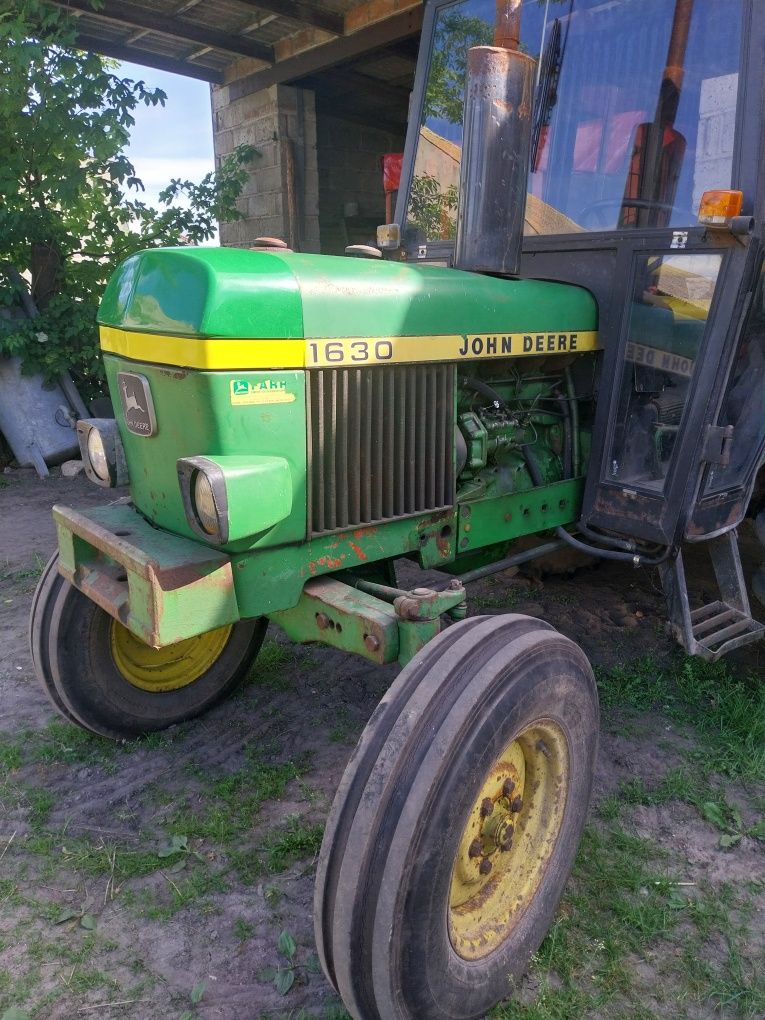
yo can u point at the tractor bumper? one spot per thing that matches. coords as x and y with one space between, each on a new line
161 587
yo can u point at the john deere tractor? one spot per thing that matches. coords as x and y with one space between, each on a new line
563 336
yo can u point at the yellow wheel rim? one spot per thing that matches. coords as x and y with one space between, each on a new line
508 840
168 668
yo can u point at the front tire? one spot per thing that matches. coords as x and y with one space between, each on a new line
108 681
456 822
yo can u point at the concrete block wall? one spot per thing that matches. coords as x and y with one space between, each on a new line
281 196
350 171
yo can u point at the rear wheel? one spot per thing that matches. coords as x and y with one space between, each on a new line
456 823
39 625
101 676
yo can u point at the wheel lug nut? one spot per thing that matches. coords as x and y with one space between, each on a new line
475 849
487 806
507 788
485 866
516 804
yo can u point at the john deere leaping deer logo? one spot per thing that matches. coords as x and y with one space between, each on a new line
137 405
131 404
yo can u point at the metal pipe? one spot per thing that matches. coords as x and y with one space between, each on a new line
381 591
507 28
568 439
495 160
509 561
573 403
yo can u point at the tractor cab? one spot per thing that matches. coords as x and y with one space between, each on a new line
643 185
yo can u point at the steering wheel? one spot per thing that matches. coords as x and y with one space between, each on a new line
598 209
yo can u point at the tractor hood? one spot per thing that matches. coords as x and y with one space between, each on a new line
189 301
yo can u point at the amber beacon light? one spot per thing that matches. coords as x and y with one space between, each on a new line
720 208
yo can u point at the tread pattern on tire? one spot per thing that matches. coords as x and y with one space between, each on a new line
361 824
52 607
39 622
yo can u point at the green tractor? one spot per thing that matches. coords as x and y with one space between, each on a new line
562 336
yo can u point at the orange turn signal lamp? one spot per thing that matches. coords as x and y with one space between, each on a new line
720 208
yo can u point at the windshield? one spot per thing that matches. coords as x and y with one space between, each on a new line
634 113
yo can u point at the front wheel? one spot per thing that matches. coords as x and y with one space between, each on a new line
101 676
457 821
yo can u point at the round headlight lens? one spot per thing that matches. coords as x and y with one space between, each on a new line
204 504
97 455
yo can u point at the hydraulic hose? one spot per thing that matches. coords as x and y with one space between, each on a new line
479 386
636 559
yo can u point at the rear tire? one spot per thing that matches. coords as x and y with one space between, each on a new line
407 924
101 677
39 625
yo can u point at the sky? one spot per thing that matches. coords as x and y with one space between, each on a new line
174 140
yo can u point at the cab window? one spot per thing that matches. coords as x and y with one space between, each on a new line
634 116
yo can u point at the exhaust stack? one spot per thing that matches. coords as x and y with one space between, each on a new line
499 100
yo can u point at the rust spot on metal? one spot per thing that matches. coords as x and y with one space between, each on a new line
360 533
358 550
372 642
329 563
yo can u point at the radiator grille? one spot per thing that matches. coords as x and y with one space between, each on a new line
380 443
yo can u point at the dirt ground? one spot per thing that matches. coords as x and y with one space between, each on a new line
155 879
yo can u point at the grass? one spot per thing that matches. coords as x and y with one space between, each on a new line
227 805
624 907
276 666
627 913
629 942
294 841
26 577
728 710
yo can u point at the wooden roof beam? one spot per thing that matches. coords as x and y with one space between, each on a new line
299 10
319 58
131 16
138 56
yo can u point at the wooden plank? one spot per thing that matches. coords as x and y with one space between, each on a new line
147 59
319 58
131 16
299 10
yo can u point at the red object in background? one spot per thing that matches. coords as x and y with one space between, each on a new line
391 162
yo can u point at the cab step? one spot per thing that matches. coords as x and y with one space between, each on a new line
715 629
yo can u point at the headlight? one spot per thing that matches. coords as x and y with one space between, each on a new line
230 498
204 504
97 455
101 451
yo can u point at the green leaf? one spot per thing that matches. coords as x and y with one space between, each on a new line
730 840
286 945
186 1015
284 980
713 813
178 866
267 974
757 831
15 1013
177 845
88 921
197 992
312 963
67 915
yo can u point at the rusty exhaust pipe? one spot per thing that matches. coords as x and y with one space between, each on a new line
499 100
